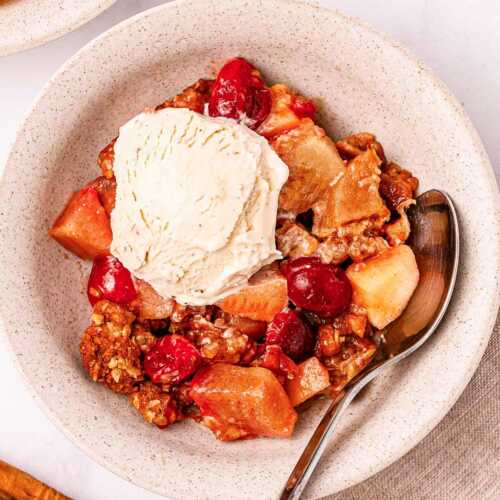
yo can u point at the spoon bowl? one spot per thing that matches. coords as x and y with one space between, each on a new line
435 242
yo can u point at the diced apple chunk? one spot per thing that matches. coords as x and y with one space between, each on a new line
354 197
398 231
384 284
83 227
250 327
238 402
312 378
265 296
314 165
281 118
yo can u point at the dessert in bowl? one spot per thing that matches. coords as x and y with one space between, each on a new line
243 261
359 81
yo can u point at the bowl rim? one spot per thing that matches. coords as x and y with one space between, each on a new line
445 94
56 30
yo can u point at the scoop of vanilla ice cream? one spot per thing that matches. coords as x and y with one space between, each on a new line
196 203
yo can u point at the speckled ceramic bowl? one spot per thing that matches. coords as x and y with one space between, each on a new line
28 23
363 81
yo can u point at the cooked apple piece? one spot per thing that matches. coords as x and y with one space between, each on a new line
384 284
314 165
294 241
149 304
311 379
282 117
238 401
354 197
355 323
83 227
264 296
398 231
251 328
106 188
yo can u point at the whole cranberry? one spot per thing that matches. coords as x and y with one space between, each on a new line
171 359
110 280
318 287
289 331
239 93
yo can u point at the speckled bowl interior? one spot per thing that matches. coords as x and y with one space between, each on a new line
363 82
28 23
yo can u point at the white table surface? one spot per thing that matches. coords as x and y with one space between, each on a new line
460 40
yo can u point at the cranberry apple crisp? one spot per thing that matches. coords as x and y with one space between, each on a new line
304 322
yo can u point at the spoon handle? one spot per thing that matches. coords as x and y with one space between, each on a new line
317 444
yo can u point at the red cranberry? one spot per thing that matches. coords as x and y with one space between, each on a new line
110 280
258 107
303 108
171 359
291 333
321 288
239 93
